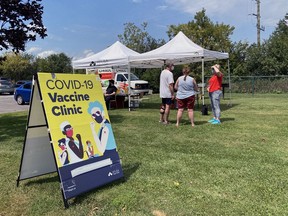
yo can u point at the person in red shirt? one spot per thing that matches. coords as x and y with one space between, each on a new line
215 91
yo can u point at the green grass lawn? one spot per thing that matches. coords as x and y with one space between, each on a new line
236 168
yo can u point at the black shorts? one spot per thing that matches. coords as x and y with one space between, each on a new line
167 101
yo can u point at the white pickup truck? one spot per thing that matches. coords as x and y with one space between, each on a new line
120 76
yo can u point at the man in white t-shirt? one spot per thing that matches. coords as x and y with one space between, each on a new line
167 90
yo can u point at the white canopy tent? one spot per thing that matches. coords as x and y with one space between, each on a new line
180 50
115 56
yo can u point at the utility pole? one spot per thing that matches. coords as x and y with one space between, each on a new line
259 28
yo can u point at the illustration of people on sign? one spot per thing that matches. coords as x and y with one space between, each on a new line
90 149
74 147
104 139
63 154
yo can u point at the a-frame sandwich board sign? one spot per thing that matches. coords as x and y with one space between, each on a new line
69 131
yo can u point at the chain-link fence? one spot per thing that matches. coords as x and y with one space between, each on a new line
257 84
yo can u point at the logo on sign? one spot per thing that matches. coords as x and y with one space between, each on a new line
114 172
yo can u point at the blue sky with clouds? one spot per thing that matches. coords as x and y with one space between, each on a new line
81 28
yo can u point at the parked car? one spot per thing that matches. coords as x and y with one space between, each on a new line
20 82
23 93
5 78
6 87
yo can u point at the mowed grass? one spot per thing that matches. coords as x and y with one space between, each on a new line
236 168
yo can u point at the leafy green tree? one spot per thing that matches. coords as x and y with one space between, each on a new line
238 57
268 59
138 39
205 33
277 46
254 60
17 66
20 22
55 63
153 77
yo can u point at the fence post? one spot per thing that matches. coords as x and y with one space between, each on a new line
253 85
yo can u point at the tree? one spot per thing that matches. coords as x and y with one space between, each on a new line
255 59
139 39
238 57
268 59
20 22
55 63
205 33
17 66
153 77
277 46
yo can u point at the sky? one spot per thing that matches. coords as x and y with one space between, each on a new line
82 28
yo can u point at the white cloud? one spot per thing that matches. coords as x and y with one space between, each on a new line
54 37
233 11
271 13
136 1
33 50
86 53
46 53
69 30
162 7
38 51
191 7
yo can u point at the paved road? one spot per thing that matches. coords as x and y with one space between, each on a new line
8 105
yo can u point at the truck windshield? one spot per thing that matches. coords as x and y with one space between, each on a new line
133 76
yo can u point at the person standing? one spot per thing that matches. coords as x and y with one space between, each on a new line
162 111
186 87
167 90
215 92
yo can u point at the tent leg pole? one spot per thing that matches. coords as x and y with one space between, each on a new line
129 88
203 103
229 82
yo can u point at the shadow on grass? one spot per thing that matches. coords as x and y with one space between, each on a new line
223 107
197 123
115 118
227 119
198 107
41 180
12 126
128 170
227 107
